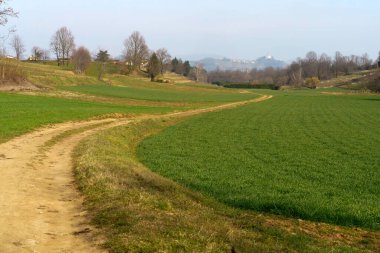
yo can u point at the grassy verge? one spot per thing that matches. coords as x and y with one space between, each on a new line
299 154
23 113
139 211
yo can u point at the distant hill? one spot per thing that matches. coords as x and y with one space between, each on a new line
211 64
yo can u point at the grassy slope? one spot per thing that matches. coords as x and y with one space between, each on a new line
22 113
299 154
139 211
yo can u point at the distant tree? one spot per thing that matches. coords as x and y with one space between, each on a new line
338 63
102 57
295 74
37 53
62 44
81 59
310 64
164 58
178 66
136 51
45 56
18 46
366 62
186 68
174 64
378 61
154 67
198 74
324 67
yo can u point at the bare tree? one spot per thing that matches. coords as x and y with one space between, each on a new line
295 74
164 59
198 74
81 59
18 46
324 67
338 63
366 62
310 64
45 56
6 12
37 53
62 44
136 51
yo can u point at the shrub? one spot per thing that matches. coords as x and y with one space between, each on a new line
312 82
374 85
81 59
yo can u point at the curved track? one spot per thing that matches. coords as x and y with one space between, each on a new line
40 207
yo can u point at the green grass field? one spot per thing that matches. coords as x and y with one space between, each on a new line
23 113
139 211
160 94
300 154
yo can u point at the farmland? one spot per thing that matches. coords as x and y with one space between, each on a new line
23 113
301 154
263 175
140 211
157 94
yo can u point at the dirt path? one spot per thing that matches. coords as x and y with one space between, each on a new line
40 207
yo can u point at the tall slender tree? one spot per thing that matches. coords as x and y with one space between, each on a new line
18 46
154 67
102 57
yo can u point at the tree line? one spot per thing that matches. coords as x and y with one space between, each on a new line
136 56
307 71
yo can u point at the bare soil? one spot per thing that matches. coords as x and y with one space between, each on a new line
22 86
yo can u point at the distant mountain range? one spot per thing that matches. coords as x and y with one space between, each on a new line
211 64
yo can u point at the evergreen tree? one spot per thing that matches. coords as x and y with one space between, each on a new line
154 67
102 57
174 64
186 68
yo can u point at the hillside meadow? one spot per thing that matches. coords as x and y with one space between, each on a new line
89 98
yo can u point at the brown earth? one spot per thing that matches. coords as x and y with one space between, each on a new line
22 86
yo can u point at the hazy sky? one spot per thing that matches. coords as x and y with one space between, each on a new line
244 29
